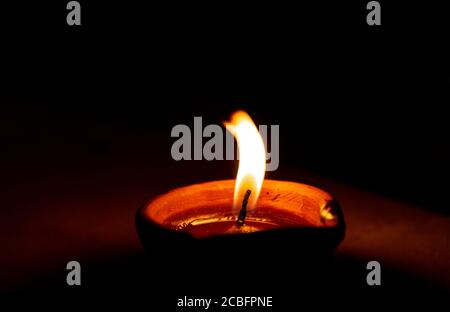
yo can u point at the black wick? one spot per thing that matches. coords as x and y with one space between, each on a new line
240 221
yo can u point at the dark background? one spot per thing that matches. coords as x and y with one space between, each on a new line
86 115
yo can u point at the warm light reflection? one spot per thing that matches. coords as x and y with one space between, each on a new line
252 158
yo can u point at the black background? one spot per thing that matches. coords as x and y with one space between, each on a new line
356 104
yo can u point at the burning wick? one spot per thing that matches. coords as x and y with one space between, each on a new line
240 221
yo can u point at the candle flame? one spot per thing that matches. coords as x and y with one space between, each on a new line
252 159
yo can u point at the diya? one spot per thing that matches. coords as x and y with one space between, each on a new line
249 211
